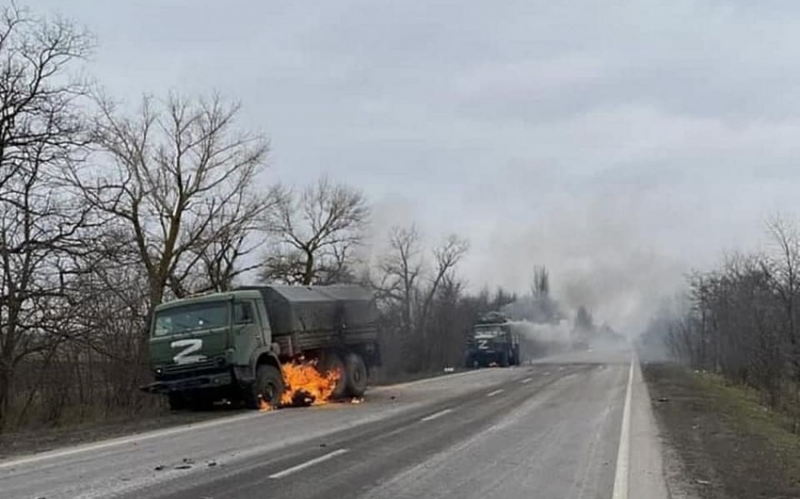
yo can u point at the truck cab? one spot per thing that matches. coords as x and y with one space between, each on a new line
206 344
492 342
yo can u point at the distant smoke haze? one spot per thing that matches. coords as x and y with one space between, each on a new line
553 335
600 253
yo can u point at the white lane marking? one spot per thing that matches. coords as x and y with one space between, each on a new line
308 464
496 392
526 380
545 373
436 415
394 432
624 451
129 440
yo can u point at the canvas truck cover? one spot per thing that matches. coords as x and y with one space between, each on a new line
297 309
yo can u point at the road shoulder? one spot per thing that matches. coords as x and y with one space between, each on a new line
719 442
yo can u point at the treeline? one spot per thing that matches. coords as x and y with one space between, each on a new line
108 210
741 320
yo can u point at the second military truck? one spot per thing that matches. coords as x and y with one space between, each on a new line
232 345
493 342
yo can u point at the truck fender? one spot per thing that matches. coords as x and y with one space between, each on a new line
259 355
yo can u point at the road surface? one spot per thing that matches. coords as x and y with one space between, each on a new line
548 430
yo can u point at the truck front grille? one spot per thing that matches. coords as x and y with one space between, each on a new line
194 366
180 371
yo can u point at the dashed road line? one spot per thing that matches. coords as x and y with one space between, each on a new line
436 415
496 392
308 464
526 380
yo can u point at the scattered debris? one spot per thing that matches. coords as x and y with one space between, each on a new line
160 467
323 445
184 467
212 464
703 482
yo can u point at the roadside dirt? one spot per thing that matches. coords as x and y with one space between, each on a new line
49 438
722 442
45 439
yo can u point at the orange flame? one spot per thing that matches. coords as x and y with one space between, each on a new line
263 406
305 384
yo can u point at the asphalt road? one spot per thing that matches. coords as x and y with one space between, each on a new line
549 430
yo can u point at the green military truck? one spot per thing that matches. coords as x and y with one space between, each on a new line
231 345
493 342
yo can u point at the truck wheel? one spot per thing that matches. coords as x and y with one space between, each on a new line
356 375
332 362
504 359
177 402
268 387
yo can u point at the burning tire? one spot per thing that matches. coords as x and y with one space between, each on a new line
267 388
332 362
355 375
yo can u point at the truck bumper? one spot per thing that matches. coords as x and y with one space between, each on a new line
215 380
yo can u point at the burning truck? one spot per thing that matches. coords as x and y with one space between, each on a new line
264 345
493 342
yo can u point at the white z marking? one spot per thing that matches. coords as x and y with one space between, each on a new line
191 346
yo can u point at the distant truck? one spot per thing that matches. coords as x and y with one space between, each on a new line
232 345
493 342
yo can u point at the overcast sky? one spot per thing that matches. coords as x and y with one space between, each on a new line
617 142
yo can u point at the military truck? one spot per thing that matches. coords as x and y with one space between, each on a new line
493 341
232 345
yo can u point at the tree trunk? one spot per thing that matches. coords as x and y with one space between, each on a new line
6 377
308 272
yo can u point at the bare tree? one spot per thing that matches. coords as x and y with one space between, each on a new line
786 271
314 233
399 273
418 297
42 133
541 283
447 256
180 176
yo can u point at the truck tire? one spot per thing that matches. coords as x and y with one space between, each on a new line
504 359
330 362
268 386
355 374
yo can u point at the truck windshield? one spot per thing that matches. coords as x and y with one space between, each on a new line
191 318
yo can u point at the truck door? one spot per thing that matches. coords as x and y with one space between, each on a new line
262 321
247 331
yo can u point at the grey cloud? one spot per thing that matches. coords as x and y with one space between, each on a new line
617 142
